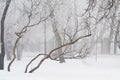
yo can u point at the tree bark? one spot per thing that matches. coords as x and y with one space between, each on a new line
19 50
48 56
57 40
2 34
116 39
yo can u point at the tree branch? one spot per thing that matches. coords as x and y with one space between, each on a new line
49 55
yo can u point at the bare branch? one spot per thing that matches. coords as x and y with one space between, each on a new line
49 55
21 33
32 61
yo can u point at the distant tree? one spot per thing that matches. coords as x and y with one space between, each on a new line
106 14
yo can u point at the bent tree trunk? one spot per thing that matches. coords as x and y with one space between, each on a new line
2 34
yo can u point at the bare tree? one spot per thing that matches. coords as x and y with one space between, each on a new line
105 12
69 38
73 37
48 56
2 33
34 6
58 40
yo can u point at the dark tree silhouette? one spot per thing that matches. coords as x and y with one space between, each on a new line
2 34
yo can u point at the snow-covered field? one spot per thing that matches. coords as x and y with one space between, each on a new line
106 67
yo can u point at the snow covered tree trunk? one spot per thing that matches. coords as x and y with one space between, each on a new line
2 34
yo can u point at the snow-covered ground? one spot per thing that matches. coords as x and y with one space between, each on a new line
105 67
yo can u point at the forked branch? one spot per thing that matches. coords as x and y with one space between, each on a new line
48 56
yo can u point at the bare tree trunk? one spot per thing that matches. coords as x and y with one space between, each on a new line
115 39
45 39
111 37
8 52
57 39
115 43
2 34
58 43
115 46
56 33
19 50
